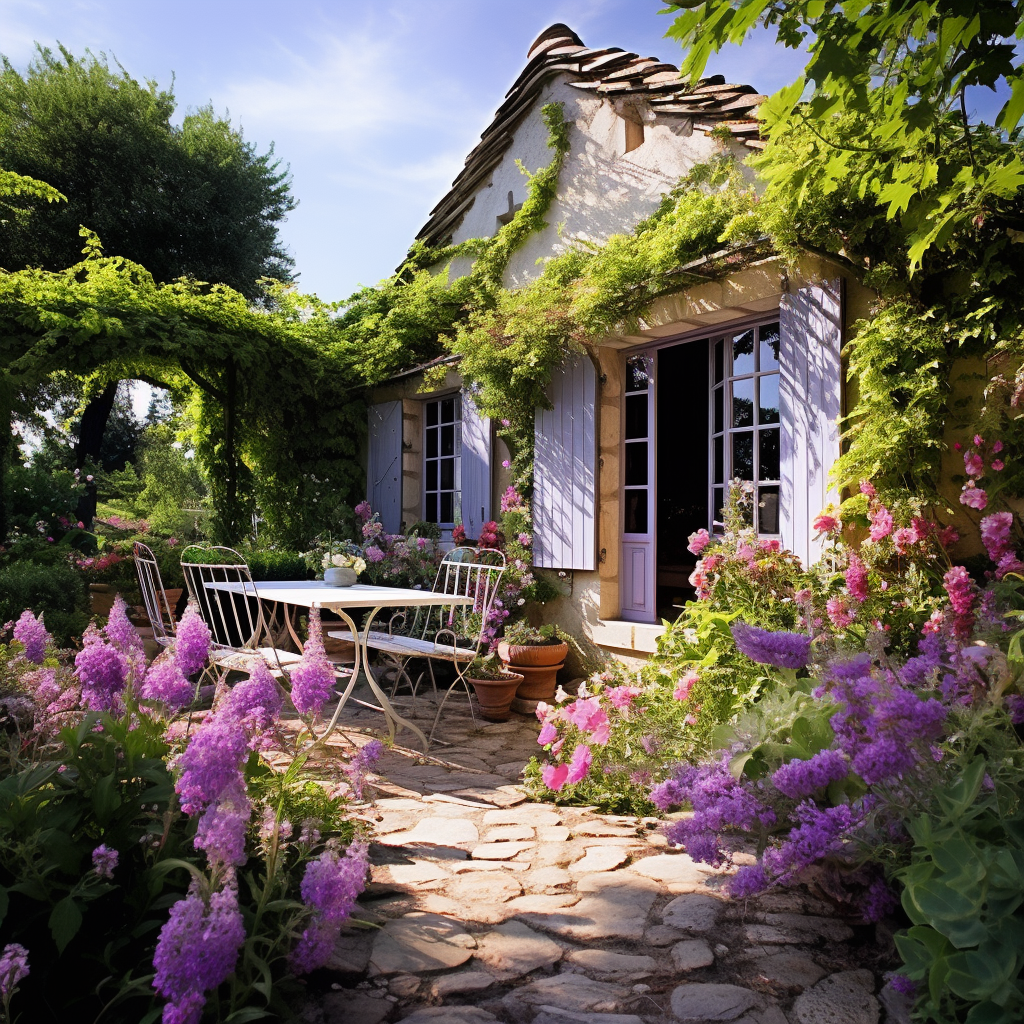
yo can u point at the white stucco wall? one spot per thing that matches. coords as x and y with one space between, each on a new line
602 189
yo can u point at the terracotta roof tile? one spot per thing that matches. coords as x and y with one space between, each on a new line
607 71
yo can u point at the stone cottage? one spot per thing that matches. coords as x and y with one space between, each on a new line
738 375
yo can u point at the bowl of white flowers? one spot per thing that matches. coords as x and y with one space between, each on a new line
341 562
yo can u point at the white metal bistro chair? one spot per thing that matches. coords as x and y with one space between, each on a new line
442 632
154 597
239 628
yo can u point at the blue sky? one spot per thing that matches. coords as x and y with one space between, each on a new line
373 104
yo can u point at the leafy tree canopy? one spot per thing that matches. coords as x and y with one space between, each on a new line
894 75
191 201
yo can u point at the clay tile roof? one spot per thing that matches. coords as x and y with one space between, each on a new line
608 71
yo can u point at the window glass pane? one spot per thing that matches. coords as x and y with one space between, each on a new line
638 376
769 354
636 511
448 440
718 503
743 455
768 454
447 508
768 510
432 444
719 460
636 416
458 407
432 475
431 413
447 474
719 403
431 513
743 353
636 462
447 410
719 360
743 402
768 394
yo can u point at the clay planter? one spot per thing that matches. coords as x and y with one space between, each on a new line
495 695
539 664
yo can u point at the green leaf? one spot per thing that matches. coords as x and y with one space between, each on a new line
105 798
977 975
247 1013
65 920
5 902
942 903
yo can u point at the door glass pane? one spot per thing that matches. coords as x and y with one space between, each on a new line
431 444
636 416
447 508
719 460
718 501
431 514
638 373
432 476
768 394
448 440
719 403
770 337
768 453
447 410
431 414
743 353
719 361
743 402
768 510
447 474
743 455
636 511
636 463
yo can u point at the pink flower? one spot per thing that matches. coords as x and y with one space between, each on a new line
554 776
690 720
934 623
857 580
685 684
904 539
621 697
548 734
866 487
580 712
524 539
839 614
973 497
998 465
579 764
698 542
599 728
978 440
768 545
881 523
995 534
997 447
542 710
506 423
505 463
974 465
960 588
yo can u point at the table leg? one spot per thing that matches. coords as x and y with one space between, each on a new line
343 699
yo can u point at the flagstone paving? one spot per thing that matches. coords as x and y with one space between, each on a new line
486 907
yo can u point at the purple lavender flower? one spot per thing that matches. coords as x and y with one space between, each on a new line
197 950
191 641
255 703
13 967
821 831
104 860
312 678
750 880
878 901
102 671
783 650
902 984
1015 707
329 888
120 631
919 670
221 830
799 779
210 763
166 682
361 763
31 634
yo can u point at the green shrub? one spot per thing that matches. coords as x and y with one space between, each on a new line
264 565
55 590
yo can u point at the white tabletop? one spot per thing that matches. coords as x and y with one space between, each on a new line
317 594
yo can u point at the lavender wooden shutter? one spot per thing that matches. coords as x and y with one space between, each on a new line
565 457
476 467
811 328
384 464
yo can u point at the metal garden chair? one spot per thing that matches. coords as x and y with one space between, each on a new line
154 597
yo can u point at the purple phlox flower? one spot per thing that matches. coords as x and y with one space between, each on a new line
781 649
13 967
197 950
750 880
362 761
329 888
31 634
374 554
799 779
210 763
255 703
104 860
166 682
102 671
221 830
120 631
312 679
192 641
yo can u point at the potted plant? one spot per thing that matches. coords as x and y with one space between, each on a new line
537 653
341 561
495 686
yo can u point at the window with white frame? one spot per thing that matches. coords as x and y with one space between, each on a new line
442 469
745 427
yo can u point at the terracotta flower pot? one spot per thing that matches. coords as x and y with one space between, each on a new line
539 665
495 695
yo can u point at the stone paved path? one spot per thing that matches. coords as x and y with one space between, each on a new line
486 907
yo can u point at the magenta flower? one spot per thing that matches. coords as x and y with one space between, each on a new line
104 860
881 523
363 511
685 684
868 488
579 764
857 579
166 683
13 967
995 534
974 465
121 633
826 523
904 539
973 497
31 634
101 669
548 734
698 542
554 776
622 697
961 590
192 641
313 677
374 554
781 649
